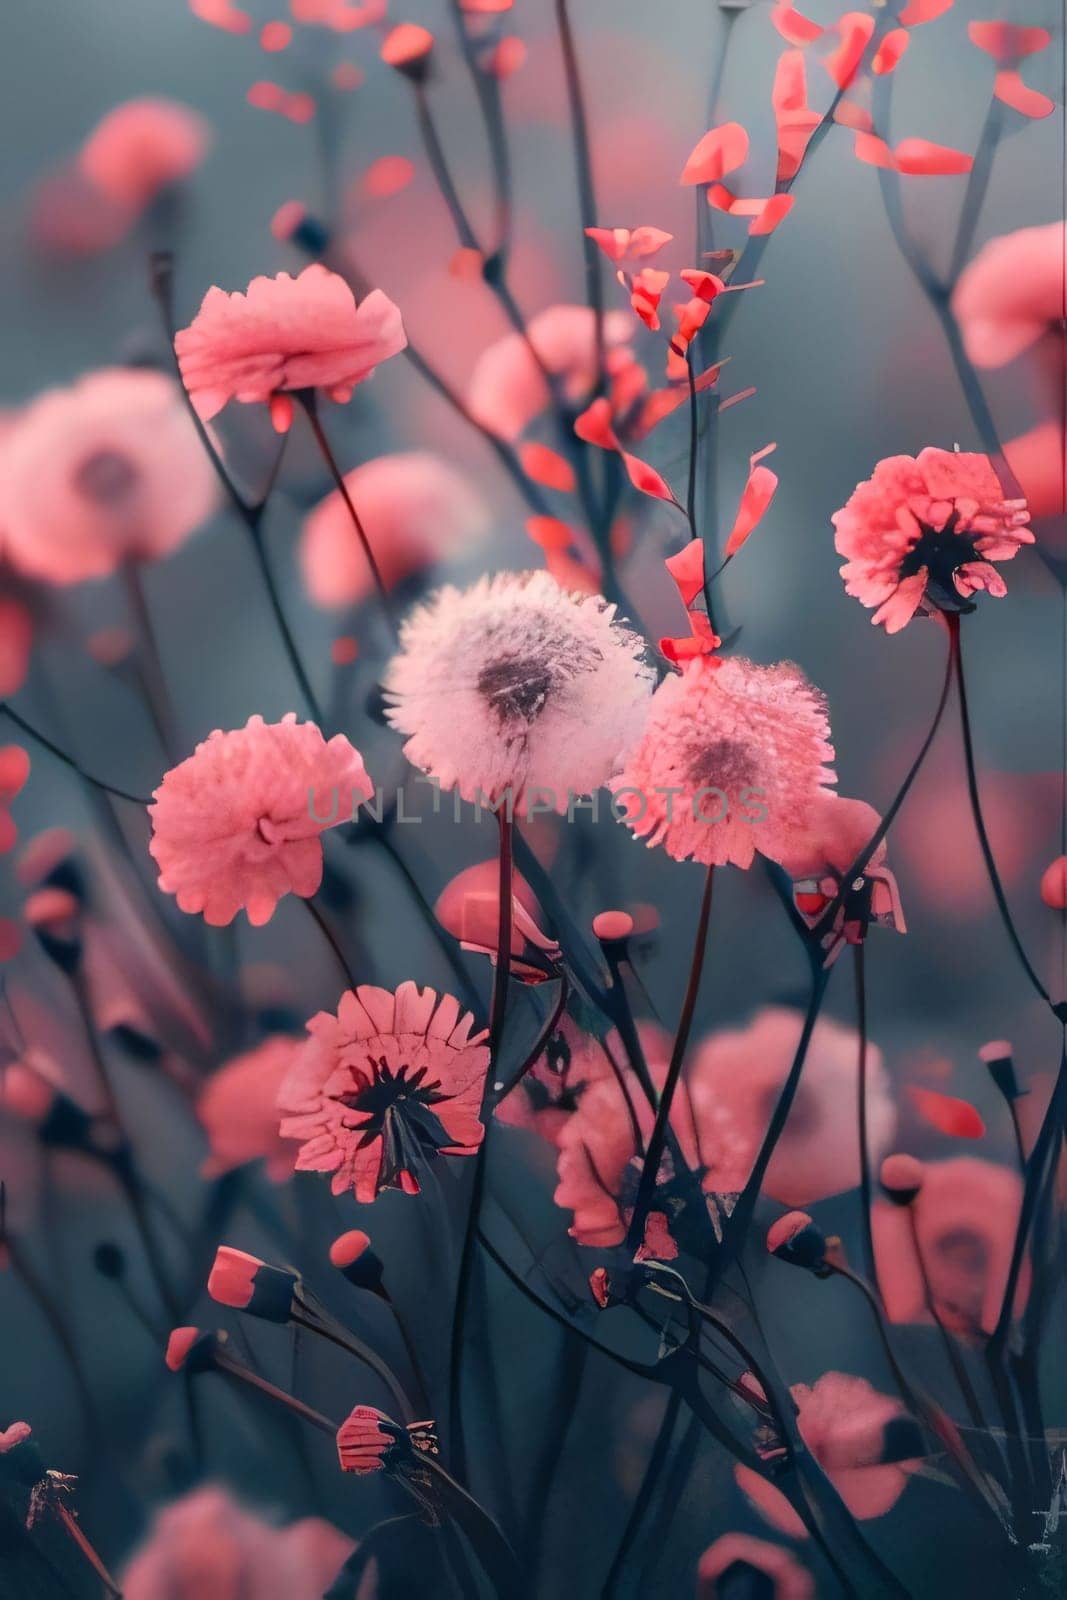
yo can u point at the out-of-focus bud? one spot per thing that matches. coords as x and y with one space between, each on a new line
902 1178
1054 884
55 915
246 1283
352 1255
796 1239
190 1348
997 1055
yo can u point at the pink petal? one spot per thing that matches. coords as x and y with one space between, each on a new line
721 150
793 26
923 158
957 1118
756 497
647 479
1011 91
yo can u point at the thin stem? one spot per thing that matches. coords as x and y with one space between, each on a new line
976 812
316 914
160 704
35 734
259 550
657 1141
73 1528
307 399
861 1113
594 287
952 1354
334 1334
551 1023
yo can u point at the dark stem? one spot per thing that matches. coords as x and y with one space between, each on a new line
328 934
308 400
68 760
952 1354
584 171
259 550
658 1138
551 1023
861 1112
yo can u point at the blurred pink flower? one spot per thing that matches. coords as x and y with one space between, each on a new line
469 908
1011 294
552 1090
719 1118
236 825
416 510
106 471
206 1547
388 1083
283 334
507 389
921 532
1036 458
966 1215
843 1421
735 1078
777 1566
237 1109
141 147
731 761
516 685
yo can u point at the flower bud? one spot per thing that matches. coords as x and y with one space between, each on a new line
796 1239
246 1283
352 1255
902 1178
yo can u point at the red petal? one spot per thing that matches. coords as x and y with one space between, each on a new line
890 51
757 496
793 26
923 11
855 28
687 570
874 151
1005 42
594 425
549 532
721 150
777 207
957 1118
1010 89
923 158
546 467
646 478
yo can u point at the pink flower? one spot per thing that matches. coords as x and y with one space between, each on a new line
206 1547
106 471
551 1091
788 1579
514 685
141 147
731 761
236 1109
843 1421
416 510
965 1215
1011 294
921 532
719 1119
838 833
391 1081
469 908
283 334
236 825
507 389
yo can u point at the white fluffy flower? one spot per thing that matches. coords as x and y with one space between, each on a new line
513 686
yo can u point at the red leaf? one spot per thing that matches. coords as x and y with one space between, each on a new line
793 26
1010 89
757 496
546 467
855 28
957 1118
721 150
1007 43
923 158
890 51
923 11
687 570
594 425
647 479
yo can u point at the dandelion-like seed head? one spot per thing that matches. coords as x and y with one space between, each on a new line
514 685
732 759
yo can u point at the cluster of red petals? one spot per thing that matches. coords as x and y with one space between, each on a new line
636 243
363 1445
285 333
266 96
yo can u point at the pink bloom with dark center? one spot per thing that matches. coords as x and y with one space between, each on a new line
106 471
788 1579
285 334
390 1082
743 750
237 1111
507 389
236 825
965 1215
1011 295
141 147
416 510
206 1547
843 1421
921 533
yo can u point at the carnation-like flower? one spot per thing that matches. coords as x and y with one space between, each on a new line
921 533
731 761
236 825
965 1217
416 511
141 147
389 1083
507 388
516 687
284 334
106 471
776 1572
237 1110
855 1434
205 1545
719 1118
1011 294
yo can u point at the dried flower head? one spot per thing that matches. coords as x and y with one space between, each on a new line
515 686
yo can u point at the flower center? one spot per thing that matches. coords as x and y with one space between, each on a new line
724 764
942 551
397 1103
517 690
106 477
